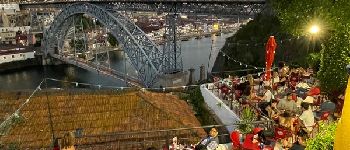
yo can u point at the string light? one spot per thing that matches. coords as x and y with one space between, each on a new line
240 63
263 44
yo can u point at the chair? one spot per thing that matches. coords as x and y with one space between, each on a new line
281 133
325 115
236 143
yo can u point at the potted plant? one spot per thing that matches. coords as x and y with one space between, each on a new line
247 117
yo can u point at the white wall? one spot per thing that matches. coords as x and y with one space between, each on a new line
15 29
16 57
223 112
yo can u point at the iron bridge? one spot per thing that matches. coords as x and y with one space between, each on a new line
149 61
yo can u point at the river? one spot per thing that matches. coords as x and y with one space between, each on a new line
195 52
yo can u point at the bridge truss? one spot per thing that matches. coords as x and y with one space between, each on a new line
143 53
147 59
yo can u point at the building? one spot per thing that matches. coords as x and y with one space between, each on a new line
7 37
11 54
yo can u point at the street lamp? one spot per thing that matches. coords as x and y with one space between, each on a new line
314 29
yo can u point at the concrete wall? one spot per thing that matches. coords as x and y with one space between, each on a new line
223 112
16 57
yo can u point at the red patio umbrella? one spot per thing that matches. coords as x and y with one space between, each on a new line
270 55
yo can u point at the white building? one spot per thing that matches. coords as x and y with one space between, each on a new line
15 55
15 29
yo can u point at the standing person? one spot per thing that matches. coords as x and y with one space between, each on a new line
67 142
211 142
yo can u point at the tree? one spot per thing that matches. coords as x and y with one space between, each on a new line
247 45
112 40
296 16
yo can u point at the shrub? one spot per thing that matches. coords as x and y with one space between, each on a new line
324 139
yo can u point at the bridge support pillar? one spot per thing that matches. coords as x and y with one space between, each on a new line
172 80
172 49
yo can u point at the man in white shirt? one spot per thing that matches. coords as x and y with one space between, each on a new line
307 117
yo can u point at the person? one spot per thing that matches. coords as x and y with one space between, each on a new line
309 99
56 145
300 143
307 117
174 145
287 104
269 109
67 142
272 110
211 142
267 94
327 106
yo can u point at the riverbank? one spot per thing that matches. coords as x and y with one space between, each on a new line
20 64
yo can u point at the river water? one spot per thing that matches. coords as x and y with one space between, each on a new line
195 52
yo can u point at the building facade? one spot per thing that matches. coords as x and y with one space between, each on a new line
16 55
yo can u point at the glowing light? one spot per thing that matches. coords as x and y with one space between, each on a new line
314 29
216 26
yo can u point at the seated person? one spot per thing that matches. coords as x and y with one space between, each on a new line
285 120
268 96
209 142
300 144
307 118
287 104
327 106
272 110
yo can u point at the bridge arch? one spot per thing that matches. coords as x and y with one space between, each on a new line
143 53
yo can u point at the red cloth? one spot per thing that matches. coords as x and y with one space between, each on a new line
280 133
314 91
294 97
56 148
270 55
257 130
235 139
325 116
248 143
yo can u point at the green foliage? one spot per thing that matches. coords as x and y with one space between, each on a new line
314 60
13 146
247 117
332 16
324 139
202 113
254 35
112 40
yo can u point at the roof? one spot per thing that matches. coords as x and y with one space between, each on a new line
6 49
105 117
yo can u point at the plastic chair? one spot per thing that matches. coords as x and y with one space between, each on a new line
280 133
325 115
236 144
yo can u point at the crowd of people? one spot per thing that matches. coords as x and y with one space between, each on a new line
291 98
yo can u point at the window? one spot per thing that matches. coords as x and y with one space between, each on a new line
13 56
4 57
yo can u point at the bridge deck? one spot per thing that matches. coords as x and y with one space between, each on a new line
100 69
140 1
